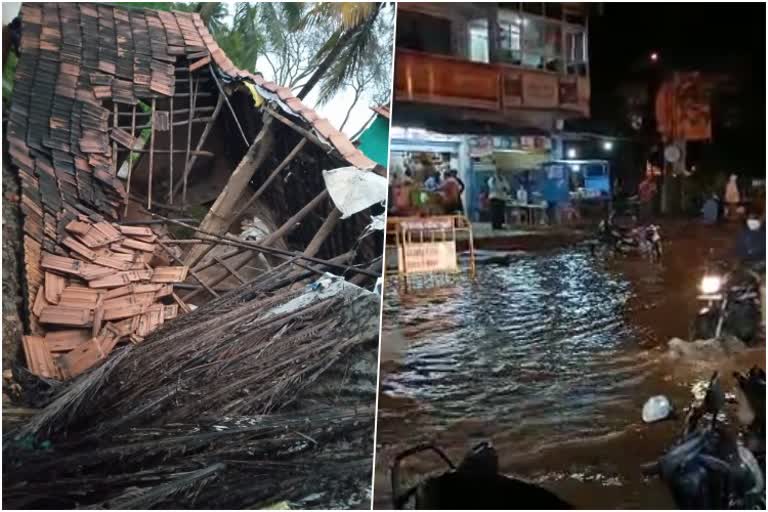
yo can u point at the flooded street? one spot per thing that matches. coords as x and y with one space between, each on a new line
552 358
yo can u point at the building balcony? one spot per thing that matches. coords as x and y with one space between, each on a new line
506 89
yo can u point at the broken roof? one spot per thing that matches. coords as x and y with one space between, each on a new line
83 66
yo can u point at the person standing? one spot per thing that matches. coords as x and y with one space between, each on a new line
450 193
462 187
498 190
732 197
646 192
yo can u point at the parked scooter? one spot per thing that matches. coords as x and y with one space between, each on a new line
643 240
475 484
711 467
730 305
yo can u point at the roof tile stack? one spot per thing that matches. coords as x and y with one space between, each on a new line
102 292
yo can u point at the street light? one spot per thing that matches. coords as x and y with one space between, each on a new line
571 153
654 57
608 145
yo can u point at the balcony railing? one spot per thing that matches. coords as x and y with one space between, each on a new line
442 80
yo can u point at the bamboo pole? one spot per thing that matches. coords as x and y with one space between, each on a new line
192 101
190 163
232 110
170 155
114 142
151 156
323 233
238 181
198 254
259 247
287 227
130 162
191 272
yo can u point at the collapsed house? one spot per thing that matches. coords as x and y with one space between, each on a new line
120 116
195 263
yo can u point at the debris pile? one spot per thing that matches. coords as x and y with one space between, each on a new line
101 292
263 395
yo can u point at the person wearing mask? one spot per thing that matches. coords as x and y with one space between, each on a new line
732 197
750 244
750 249
498 191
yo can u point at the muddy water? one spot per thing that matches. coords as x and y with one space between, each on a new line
552 357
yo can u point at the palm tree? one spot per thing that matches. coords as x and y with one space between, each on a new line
352 43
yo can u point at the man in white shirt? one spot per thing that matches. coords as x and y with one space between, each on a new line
498 191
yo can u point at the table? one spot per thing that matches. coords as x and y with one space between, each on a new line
534 213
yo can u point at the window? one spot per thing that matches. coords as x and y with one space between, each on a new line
416 31
575 52
478 41
509 39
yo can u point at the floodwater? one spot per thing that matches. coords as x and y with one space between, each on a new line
552 358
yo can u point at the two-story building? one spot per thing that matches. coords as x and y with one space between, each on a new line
497 81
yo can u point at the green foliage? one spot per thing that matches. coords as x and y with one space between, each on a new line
9 74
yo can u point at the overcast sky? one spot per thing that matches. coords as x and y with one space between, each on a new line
334 110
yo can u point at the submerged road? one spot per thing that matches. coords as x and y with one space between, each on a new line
552 358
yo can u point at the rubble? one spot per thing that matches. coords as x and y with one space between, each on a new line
247 388
103 293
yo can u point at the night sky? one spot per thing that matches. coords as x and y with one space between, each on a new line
724 38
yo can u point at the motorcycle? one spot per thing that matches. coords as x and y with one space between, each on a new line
730 305
711 467
475 484
643 240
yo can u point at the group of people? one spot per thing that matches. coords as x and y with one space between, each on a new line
450 189
441 190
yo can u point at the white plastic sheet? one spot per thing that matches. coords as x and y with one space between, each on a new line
353 190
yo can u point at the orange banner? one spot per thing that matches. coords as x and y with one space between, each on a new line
682 108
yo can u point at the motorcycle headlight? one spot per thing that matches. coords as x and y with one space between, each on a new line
711 284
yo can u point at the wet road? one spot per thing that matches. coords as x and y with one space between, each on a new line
552 357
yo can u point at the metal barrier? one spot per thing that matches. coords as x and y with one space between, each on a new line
427 245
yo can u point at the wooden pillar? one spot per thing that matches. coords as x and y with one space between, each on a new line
221 210
199 252
323 233
239 260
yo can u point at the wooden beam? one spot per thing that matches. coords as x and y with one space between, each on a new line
114 142
259 247
323 233
286 228
170 156
130 162
197 120
232 110
219 214
200 254
176 151
191 272
189 142
151 157
229 269
203 137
